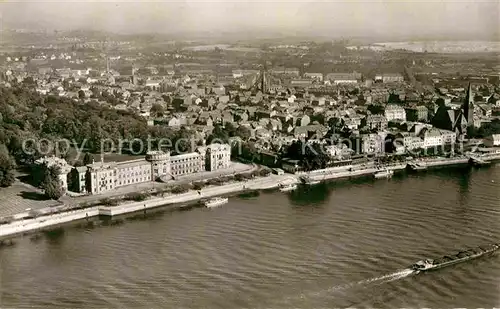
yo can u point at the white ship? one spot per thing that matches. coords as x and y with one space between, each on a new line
383 174
216 202
287 188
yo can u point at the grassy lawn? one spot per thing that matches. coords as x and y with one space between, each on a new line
19 197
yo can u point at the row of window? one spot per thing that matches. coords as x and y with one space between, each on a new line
142 172
120 183
178 166
182 172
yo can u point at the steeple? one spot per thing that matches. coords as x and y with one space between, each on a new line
468 107
470 97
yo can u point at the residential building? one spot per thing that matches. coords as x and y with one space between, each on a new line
218 156
410 141
390 78
431 137
448 137
378 122
395 112
417 113
316 76
343 78
368 143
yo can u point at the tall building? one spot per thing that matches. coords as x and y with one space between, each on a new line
468 107
217 156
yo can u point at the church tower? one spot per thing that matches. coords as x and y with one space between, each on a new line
263 81
468 107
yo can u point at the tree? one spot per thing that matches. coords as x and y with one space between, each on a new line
218 134
53 189
88 159
7 166
51 184
376 109
81 94
243 132
198 186
157 110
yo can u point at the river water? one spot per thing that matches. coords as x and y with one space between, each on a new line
341 244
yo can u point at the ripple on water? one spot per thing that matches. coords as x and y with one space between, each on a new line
333 245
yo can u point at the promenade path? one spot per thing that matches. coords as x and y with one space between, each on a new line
235 168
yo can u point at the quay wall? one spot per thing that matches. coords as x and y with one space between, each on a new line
33 224
169 199
22 225
26 225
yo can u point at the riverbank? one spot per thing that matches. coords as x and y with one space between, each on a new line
48 218
372 168
22 223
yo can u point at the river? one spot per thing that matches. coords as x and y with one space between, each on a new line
341 244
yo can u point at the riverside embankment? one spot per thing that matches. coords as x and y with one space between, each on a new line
22 223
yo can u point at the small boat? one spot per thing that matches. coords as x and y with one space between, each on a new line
417 167
288 188
216 202
462 256
309 181
383 174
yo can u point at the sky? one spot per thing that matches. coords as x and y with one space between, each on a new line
348 17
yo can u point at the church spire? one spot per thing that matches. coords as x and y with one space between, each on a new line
468 107
470 96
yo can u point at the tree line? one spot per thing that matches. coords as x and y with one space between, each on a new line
26 115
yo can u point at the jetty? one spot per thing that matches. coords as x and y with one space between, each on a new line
477 161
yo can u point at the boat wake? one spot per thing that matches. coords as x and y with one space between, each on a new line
377 280
390 277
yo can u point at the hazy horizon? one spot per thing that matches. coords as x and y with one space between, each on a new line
322 18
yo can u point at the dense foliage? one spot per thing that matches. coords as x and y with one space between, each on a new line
7 166
26 116
47 179
487 129
310 155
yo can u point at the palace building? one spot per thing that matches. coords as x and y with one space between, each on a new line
100 177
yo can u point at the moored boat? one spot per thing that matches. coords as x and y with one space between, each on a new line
287 188
216 202
417 167
309 180
383 174
462 256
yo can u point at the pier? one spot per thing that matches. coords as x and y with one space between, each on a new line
477 161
